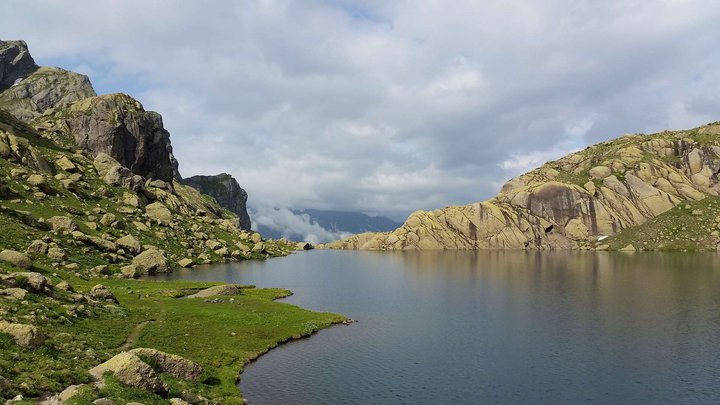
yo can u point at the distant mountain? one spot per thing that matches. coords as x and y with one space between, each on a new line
351 222
336 224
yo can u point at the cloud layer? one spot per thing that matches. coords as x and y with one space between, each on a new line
386 107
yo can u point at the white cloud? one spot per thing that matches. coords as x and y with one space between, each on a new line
386 106
290 225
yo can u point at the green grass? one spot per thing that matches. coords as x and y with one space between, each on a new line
222 337
686 227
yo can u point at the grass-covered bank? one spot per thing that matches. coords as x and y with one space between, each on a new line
220 336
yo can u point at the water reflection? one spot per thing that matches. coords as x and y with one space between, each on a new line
493 326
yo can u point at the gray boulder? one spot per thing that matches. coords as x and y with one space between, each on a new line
17 259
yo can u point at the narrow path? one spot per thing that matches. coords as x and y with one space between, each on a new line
134 335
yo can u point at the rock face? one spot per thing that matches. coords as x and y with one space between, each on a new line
226 190
572 202
44 89
119 126
15 63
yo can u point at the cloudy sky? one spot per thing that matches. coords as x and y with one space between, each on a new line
381 106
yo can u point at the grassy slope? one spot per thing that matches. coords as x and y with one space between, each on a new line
82 335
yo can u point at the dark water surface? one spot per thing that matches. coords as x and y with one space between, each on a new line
492 327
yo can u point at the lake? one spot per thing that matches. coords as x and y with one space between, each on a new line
504 327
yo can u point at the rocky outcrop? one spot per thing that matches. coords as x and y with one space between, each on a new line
15 63
226 190
119 126
573 202
174 365
45 89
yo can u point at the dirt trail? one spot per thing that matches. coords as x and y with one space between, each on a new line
134 335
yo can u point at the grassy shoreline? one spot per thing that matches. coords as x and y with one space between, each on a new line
223 334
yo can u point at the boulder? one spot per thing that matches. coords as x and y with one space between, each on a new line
15 293
129 369
27 336
107 219
33 281
66 164
61 224
159 212
129 243
57 254
151 261
17 259
174 365
37 246
226 289
101 292
115 174
129 271
185 263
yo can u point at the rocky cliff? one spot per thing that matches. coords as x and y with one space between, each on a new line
226 190
598 198
16 63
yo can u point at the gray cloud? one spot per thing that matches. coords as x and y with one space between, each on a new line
389 106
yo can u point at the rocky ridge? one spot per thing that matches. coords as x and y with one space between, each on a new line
591 199
226 190
89 194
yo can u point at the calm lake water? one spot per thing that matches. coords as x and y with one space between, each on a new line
492 327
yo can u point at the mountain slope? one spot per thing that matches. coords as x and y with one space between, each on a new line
226 190
579 201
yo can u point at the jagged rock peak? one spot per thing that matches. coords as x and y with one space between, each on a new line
15 62
118 125
226 190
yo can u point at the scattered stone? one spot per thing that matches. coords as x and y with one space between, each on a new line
213 244
226 289
17 259
27 336
301 246
628 248
103 401
65 286
128 368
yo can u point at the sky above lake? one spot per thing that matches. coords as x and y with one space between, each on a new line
385 107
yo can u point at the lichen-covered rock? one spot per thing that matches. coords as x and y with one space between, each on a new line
17 259
37 246
174 365
129 369
185 263
151 261
56 254
27 336
115 174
